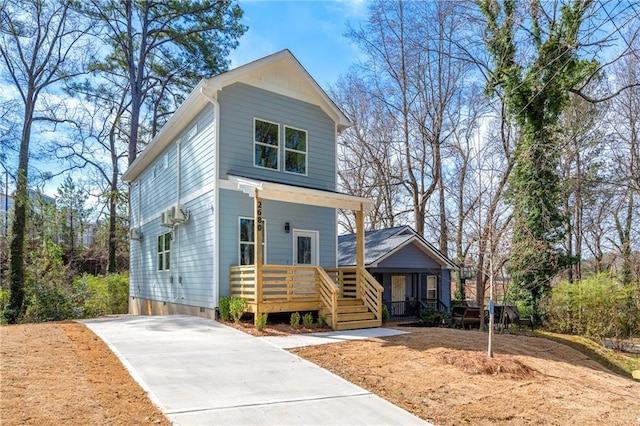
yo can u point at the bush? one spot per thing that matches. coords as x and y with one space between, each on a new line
430 317
237 306
385 314
322 321
100 295
597 307
307 320
260 321
225 312
294 321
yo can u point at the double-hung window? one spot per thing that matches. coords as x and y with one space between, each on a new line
164 251
295 150
247 241
266 144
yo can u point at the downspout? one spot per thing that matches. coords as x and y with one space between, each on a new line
216 217
177 226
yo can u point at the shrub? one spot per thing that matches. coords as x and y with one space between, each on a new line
100 295
598 307
260 321
322 321
294 321
307 320
225 313
385 314
430 317
237 306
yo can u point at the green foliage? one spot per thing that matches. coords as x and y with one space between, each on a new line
260 321
322 321
385 314
237 306
597 307
430 317
102 295
225 312
307 320
535 95
294 321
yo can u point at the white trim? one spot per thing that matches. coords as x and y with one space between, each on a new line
276 147
299 195
315 261
306 152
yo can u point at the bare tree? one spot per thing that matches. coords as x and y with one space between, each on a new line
40 47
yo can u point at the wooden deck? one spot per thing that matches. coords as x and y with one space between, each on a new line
348 297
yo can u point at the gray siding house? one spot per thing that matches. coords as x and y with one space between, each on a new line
414 273
242 176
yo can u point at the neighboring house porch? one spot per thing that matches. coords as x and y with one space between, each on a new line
414 274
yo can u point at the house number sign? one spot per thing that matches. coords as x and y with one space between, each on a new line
259 216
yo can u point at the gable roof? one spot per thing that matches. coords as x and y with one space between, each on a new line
280 72
384 243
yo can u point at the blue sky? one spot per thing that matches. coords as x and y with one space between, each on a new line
311 30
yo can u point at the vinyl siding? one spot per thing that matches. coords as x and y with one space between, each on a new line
241 103
190 278
235 204
409 256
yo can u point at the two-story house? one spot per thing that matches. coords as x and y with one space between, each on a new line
236 195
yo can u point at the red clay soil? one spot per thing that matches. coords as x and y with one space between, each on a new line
61 373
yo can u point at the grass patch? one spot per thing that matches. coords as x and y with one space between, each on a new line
617 362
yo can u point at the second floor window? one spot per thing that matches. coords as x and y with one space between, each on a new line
295 151
266 143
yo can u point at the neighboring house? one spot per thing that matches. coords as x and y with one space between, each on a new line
236 196
414 274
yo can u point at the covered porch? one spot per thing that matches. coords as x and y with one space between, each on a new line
348 298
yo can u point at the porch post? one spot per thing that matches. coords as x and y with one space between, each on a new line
258 225
359 248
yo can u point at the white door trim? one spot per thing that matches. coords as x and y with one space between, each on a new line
315 245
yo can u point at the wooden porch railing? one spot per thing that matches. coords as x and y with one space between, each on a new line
364 287
288 286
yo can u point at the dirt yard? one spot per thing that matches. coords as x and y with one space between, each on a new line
61 373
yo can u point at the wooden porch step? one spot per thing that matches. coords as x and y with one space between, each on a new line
351 309
352 325
349 301
356 316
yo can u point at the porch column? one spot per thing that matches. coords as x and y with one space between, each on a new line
257 248
359 248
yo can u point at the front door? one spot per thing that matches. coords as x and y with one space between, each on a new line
398 294
305 247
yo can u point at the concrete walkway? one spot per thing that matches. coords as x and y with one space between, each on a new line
200 372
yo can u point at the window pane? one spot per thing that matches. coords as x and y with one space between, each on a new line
160 264
266 156
167 241
295 139
266 133
160 244
246 254
167 261
246 230
304 250
295 162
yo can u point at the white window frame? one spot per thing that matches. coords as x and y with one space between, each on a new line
276 147
162 254
252 243
435 288
306 152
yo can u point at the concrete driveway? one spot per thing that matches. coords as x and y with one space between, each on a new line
200 372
